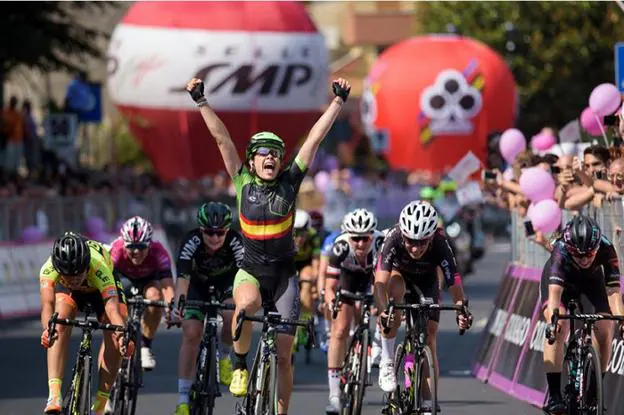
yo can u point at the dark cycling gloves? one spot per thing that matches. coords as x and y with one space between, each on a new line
197 93
340 91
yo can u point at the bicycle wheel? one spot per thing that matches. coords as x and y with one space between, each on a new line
117 391
569 390
197 398
360 373
591 374
425 366
348 374
72 396
85 387
266 404
211 382
401 401
133 383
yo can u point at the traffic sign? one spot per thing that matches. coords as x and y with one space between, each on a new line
619 66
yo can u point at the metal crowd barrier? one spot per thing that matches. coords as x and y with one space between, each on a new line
524 251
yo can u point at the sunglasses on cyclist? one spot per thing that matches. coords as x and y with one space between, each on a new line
140 247
362 238
579 254
416 242
265 151
213 232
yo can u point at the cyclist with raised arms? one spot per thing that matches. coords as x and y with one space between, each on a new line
308 249
413 255
144 267
583 261
351 266
210 255
266 191
80 271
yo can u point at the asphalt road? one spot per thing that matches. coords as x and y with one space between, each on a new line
23 379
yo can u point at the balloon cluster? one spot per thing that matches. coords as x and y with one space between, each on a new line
604 100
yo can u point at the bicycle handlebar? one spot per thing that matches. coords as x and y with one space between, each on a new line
146 302
551 330
83 324
366 298
426 305
210 304
273 319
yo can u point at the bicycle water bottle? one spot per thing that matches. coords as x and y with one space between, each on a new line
408 369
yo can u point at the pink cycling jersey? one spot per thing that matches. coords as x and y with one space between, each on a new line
157 265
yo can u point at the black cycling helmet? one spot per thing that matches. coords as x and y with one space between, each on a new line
70 255
582 235
214 215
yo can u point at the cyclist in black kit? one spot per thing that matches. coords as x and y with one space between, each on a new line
266 192
210 255
413 254
583 261
351 266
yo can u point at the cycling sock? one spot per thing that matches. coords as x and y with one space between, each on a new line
184 386
147 342
333 378
54 388
554 382
240 361
100 402
387 349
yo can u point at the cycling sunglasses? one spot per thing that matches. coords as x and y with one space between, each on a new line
580 254
213 232
265 151
416 242
363 238
140 247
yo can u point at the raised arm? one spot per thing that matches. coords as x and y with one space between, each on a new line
318 132
216 127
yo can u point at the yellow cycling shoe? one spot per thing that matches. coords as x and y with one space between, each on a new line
182 409
238 386
225 371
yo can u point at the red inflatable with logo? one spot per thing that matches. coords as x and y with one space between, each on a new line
429 100
264 64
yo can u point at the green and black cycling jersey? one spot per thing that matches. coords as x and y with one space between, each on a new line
310 249
266 211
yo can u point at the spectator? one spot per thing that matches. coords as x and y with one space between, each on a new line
596 161
13 124
32 144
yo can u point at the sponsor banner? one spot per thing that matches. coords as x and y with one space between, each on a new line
614 377
495 326
19 276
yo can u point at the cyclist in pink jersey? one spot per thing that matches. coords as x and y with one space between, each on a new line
143 266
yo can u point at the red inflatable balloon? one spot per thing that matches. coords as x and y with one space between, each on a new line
431 99
264 65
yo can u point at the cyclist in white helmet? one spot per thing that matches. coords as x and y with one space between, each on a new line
414 253
351 266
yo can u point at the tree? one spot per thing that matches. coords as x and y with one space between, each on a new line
563 49
48 36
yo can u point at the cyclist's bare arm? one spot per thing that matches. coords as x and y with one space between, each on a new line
322 272
554 300
615 301
111 307
221 135
166 286
456 290
182 285
46 295
320 129
381 289
331 287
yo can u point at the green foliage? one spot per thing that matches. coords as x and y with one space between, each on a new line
564 49
125 149
48 35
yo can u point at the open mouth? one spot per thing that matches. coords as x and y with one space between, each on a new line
269 166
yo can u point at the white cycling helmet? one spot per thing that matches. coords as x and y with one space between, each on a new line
136 230
302 219
359 221
418 220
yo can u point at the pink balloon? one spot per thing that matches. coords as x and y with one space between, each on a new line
543 141
605 99
537 184
590 123
321 181
546 216
31 235
512 143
